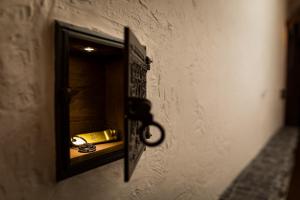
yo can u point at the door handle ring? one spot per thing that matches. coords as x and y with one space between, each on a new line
145 138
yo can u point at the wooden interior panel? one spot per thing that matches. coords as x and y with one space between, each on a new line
87 94
114 108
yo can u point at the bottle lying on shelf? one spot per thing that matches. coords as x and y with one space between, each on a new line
108 135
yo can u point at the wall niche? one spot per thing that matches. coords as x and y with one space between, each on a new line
101 110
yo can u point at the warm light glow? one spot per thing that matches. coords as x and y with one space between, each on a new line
106 135
89 49
77 141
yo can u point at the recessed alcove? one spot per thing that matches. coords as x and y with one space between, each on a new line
101 110
95 95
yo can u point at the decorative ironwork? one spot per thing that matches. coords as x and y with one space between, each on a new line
138 107
136 80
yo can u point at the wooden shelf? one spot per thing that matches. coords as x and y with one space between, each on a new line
101 149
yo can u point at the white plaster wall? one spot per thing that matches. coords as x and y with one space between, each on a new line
215 82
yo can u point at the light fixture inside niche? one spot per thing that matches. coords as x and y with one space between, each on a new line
89 49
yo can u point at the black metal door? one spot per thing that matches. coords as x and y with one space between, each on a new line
135 86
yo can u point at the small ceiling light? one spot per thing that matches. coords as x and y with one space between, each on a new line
89 49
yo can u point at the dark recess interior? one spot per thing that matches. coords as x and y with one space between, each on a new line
292 117
96 93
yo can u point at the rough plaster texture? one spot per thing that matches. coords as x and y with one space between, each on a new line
215 83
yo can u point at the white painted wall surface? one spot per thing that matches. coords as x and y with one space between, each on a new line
215 82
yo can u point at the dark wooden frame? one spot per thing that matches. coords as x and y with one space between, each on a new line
63 32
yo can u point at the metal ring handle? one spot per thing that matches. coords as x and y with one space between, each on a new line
143 137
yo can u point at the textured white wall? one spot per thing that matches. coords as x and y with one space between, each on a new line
215 82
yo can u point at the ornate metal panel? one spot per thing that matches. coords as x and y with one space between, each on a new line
136 68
